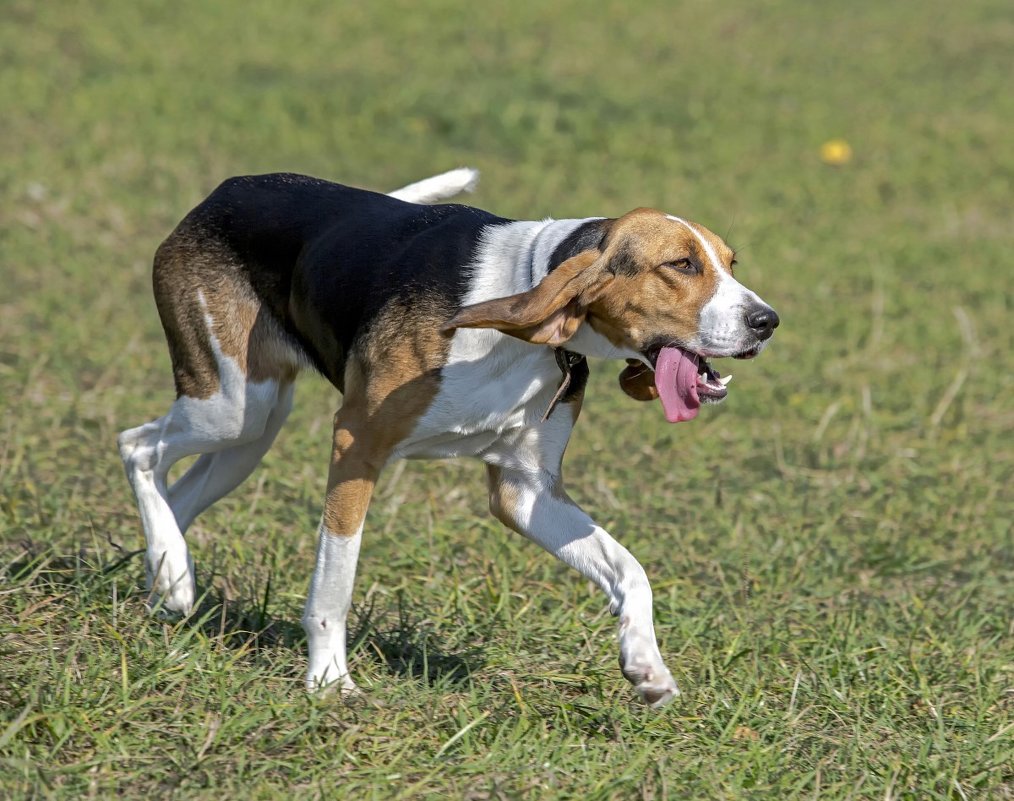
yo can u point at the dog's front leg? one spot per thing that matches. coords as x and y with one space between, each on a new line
355 465
531 500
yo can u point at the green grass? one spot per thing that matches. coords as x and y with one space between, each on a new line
830 550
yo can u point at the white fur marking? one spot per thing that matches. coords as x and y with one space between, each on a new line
723 327
439 187
704 243
215 475
327 609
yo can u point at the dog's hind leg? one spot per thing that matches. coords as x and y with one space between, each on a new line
215 475
168 567
227 421
233 370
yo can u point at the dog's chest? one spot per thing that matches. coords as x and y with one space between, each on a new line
491 384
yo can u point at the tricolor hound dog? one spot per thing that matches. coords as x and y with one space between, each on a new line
450 332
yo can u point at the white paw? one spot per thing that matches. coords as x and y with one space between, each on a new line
325 684
171 583
658 693
655 686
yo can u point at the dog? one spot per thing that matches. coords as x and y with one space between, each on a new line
450 332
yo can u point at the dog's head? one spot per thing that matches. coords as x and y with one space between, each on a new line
661 291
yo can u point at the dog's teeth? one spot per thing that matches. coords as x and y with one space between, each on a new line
703 377
725 379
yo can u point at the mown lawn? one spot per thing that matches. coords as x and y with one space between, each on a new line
831 549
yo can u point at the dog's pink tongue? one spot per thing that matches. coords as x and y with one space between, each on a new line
676 381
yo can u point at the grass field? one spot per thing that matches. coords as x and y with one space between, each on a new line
831 549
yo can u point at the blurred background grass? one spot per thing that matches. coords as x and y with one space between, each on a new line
833 540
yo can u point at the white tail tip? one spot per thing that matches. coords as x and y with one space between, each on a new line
439 187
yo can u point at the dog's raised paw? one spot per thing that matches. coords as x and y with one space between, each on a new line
658 695
655 687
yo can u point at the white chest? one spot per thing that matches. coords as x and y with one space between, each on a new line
491 384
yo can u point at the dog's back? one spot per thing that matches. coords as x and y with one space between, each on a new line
254 267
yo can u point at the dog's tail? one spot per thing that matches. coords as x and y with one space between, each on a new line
439 187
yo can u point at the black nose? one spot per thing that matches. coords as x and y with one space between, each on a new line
762 321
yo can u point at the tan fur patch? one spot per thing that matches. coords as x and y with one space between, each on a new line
503 497
389 385
402 356
356 460
180 263
648 298
195 279
246 332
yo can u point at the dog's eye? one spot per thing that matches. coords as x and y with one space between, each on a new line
682 265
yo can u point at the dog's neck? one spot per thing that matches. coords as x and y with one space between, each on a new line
516 256
546 240
544 243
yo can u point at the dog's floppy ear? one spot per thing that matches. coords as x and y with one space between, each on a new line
548 314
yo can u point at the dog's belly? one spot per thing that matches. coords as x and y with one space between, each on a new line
448 446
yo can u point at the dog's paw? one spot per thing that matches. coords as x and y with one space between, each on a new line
172 590
656 687
323 685
657 694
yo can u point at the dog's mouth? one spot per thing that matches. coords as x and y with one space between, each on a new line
685 380
749 354
682 379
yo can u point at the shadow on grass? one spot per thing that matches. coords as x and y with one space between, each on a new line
401 635
412 645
